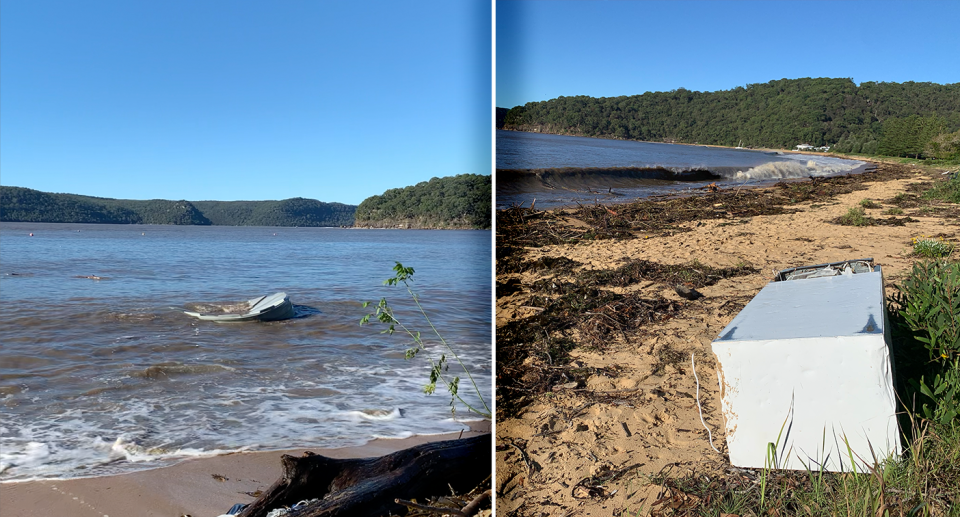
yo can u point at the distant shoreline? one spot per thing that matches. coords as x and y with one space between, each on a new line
718 146
457 202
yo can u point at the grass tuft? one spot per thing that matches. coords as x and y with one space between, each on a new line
855 216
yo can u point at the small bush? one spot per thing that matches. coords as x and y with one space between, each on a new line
904 200
855 216
869 203
924 246
893 211
947 191
926 305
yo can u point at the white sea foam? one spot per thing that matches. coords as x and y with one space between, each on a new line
396 436
825 165
794 167
376 414
31 454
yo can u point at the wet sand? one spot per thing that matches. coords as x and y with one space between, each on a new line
201 487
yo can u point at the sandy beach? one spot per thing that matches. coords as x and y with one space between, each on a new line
622 409
202 487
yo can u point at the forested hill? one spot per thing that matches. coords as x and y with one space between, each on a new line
463 201
21 204
778 114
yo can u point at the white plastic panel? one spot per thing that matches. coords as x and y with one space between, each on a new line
844 305
807 361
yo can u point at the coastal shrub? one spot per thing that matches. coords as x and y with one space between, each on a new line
904 200
869 203
925 307
893 211
855 216
946 191
929 247
439 367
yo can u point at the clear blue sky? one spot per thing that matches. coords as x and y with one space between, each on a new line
608 49
228 100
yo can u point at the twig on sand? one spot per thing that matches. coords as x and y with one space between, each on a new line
431 509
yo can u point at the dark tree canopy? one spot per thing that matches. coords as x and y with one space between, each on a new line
21 204
463 201
778 114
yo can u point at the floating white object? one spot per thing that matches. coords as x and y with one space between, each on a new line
806 366
265 308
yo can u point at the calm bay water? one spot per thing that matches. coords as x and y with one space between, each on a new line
104 376
518 150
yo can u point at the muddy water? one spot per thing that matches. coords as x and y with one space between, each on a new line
99 376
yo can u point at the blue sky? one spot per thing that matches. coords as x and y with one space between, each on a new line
608 49
228 100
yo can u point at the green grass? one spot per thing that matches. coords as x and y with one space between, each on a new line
855 216
948 190
923 481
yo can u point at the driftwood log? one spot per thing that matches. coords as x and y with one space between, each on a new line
369 487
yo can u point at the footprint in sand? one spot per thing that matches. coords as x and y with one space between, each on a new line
81 502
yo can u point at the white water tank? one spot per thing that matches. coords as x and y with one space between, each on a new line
806 366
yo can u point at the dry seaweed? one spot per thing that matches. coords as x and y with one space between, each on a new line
577 309
693 274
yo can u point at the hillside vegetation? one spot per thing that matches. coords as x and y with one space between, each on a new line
463 201
22 204
896 119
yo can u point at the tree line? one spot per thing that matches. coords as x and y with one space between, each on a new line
899 119
913 136
463 201
28 205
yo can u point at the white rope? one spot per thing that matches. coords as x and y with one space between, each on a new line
709 434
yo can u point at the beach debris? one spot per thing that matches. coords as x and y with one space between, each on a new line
371 486
280 512
835 327
471 508
275 307
533 352
686 292
234 510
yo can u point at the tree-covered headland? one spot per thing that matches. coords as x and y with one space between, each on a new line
463 201
453 202
920 120
27 205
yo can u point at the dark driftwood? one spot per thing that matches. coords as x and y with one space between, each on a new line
368 487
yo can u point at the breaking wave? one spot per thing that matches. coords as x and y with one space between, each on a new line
597 179
798 166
